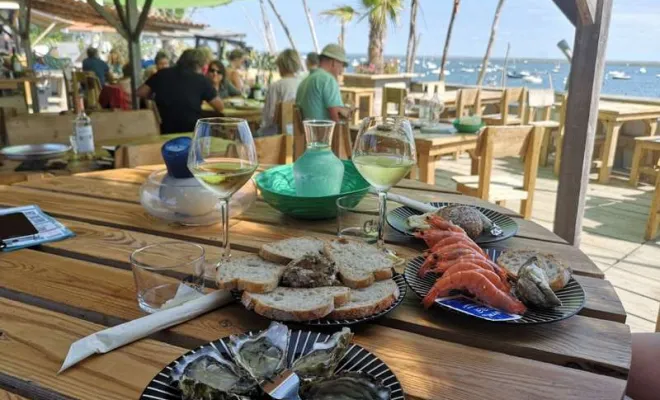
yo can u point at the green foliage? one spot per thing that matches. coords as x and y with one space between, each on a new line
345 14
380 11
263 61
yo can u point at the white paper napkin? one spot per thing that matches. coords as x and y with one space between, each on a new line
406 201
120 335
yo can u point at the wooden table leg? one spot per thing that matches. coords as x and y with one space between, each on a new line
609 149
545 147
651 127
652 221
371 104
426 165
636 161
559 142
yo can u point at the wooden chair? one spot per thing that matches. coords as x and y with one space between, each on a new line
468 100
284 117
500 141
91 86
511 96
114 127
539 111
654 211
648 146
427 87
151 105
341 141
132 156
396 96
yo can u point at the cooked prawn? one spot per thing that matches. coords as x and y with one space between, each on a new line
433 236
477 284
457 239
465 266
441 266
439 223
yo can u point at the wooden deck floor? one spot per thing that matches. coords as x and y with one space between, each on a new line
613 232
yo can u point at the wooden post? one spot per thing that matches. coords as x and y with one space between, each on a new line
581 117
132 17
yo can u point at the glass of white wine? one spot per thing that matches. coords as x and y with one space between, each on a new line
223 158
383 153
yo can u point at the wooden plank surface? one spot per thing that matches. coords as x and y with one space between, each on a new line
106 291
5 395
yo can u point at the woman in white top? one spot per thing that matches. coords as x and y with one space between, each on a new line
288 63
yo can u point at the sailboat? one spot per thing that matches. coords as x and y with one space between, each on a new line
642 70
533 79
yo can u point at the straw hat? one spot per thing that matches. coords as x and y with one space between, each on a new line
336 52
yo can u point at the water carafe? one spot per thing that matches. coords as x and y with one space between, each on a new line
318 172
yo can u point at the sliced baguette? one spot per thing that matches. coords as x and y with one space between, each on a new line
558 273
368 301
285 251
360 264
295 304
251 273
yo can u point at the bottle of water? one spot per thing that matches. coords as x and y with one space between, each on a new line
436 107
82 133
424 108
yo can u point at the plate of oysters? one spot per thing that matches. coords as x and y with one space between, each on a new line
235 367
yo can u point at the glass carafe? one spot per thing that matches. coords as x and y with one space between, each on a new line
318 172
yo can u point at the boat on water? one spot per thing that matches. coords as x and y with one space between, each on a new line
513 74
469 70
355 63
533 79
642 70
556 68
619 75
431 65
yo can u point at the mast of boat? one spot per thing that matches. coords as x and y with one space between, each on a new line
506 64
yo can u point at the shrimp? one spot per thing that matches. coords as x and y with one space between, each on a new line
439 223
456 239
441 266
433 236
466 266
477 284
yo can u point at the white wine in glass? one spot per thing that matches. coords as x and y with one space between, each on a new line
223 158
383 153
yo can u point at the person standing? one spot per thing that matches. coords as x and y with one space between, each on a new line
94 64
318 95
116 64
288 64
179 93
236 60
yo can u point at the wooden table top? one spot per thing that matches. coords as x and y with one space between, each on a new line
449 96
62 291
617 109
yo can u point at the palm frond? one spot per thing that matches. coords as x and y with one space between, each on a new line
342 13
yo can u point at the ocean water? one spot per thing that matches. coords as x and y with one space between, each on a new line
465 71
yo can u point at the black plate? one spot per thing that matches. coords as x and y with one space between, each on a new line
398 217
397 278
300 343
572 295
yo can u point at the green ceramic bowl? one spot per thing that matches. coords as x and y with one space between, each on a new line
467 128
278 189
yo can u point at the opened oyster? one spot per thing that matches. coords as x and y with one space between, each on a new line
263 355
324 357
205 375
345 386
533 286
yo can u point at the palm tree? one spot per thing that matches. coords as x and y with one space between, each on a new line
412 35
493 32
344 14
454 12
379 12
310 22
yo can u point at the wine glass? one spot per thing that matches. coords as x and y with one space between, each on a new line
223 158
383 153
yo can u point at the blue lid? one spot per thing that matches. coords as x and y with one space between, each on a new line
175 155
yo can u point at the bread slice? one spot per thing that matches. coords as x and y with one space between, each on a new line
295 304
285 251
251 273
558 273
359 264
368 301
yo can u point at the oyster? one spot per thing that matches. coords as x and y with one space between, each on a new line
345 386
533 287
262 355
324 357
206 375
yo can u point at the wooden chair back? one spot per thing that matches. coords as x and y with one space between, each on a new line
151 105
396 96
298 134
271 149
427 87
135 155
341 141
468 100
507 141
512 96
539 100
108 127
91 87
284 117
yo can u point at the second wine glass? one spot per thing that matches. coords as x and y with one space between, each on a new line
383 153
223 158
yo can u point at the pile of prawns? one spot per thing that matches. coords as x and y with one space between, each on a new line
463 266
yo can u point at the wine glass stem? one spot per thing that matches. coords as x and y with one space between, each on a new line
224 210
382 210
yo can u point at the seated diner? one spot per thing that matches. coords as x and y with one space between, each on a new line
288 64
217 75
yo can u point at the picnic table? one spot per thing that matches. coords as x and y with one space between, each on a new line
251 114
62 291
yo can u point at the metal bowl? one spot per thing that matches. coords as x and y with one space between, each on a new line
29 152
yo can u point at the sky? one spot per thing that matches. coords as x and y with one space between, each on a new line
532 27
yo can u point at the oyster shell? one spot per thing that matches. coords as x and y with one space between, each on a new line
324 357
345 386
206 375
262 355
533 286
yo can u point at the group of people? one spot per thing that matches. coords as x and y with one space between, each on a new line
180 90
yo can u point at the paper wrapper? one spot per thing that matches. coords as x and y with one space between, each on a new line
120 335
414 204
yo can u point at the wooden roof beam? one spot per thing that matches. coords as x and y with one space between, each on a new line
586 11
569 8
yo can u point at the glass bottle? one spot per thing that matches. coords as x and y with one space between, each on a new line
435 108
16 66
83 136
424 108
318 172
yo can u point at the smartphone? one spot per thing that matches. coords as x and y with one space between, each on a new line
15 225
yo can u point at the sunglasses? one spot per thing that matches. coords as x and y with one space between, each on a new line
215 71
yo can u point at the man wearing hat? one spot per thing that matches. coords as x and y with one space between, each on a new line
318 95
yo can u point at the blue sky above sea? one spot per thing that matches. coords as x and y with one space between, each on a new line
533 27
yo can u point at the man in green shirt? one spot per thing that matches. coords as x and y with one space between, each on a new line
318 95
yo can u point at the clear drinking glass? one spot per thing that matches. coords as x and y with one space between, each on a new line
383 153
167 270
357 217
223 158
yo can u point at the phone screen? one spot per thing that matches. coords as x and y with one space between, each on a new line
15 225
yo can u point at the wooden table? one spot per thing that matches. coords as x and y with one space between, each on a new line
360 97
613 114
62 291
449 97
252 115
